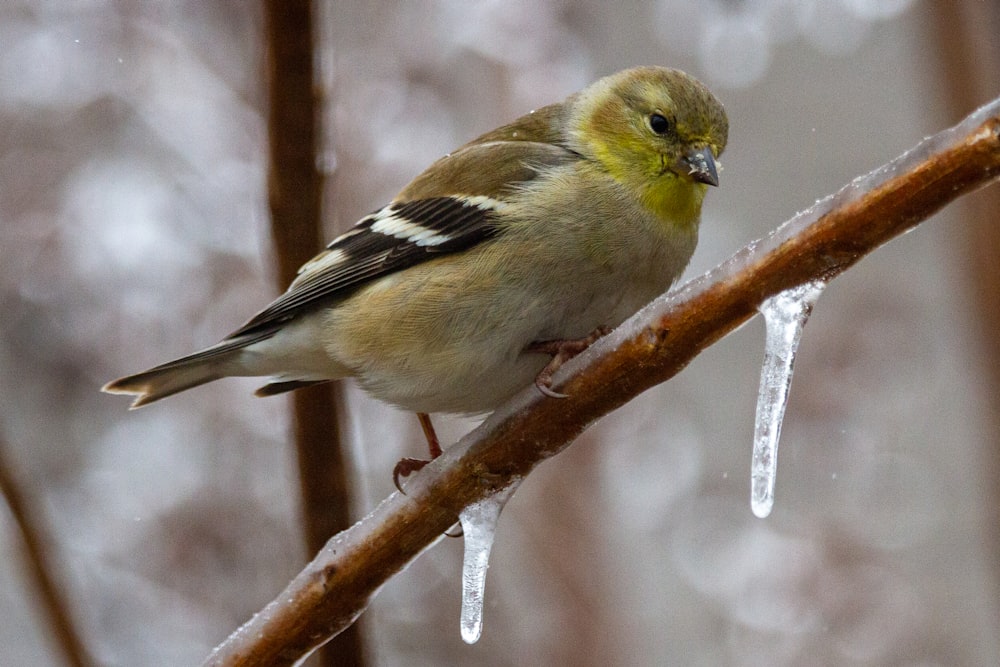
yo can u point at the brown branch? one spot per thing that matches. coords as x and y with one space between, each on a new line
295 188
648 349
969 72
53 602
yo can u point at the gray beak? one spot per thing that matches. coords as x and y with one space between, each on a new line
700 165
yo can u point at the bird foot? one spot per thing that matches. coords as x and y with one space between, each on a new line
408 466
561 351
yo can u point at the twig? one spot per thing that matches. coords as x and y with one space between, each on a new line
648 349
39 565
969 72
295 188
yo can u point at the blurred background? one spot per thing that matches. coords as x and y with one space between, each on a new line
134 228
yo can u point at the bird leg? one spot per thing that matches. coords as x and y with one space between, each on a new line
561 351
408 466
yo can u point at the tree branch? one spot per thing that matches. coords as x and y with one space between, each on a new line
969 72
648 349
295 187
52 596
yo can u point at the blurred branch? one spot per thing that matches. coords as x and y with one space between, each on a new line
655 344
53 603
295 193
970 72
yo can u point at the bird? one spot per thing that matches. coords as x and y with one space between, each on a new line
495 265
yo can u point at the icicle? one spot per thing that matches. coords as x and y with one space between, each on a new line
479 522
784 316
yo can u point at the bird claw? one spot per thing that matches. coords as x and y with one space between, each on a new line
405 468
408 466
561 351
544 385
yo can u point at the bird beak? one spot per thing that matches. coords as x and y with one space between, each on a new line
699 164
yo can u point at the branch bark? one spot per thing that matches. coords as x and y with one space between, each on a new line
295 188
651 347
965 33
52 596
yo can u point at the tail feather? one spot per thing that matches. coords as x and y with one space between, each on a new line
163 381
180 374
280 387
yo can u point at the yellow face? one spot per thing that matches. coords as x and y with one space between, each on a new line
656 129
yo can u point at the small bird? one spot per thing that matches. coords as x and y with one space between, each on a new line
495 265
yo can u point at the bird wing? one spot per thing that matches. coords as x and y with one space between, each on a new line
449 208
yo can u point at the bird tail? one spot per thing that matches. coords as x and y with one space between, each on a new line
181 374
162 381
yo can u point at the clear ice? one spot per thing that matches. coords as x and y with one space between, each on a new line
479 522
784 316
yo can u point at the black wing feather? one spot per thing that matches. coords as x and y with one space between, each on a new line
368 255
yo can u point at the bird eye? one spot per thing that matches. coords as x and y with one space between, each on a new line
658 123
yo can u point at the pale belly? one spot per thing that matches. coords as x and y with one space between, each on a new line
460 352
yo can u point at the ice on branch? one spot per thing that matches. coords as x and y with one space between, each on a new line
479 523
784 316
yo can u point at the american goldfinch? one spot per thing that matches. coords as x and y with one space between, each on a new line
497 263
